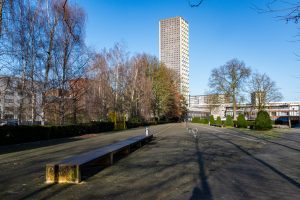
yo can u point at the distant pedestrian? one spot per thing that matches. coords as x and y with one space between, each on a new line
146 131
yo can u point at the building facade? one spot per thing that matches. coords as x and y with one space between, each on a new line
258 98
174 49
16 103
281 112
206 105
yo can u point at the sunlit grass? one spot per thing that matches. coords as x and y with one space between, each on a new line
267 134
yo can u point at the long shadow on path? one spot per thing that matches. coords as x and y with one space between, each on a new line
46 192
272 168
202 191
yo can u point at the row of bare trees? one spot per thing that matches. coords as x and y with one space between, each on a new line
136 88
234 79
42 43
61 80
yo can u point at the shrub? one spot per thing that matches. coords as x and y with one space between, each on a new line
212 120
219 121
130 124
229 121
204 121
241 121
263 121
196 120
200 120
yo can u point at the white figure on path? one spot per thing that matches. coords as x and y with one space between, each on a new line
146 131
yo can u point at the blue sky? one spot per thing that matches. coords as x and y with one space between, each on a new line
219 31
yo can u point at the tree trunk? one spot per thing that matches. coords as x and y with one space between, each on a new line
234 107
47 69
74 105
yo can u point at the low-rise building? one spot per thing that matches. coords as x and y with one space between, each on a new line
281 112
206 105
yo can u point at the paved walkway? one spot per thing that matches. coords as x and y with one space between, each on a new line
271 173
216 164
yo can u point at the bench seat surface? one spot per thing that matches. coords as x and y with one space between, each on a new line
100 152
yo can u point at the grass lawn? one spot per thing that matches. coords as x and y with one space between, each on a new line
268 134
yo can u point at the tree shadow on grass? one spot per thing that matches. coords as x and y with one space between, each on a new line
269 141
202 191
285 138
276 143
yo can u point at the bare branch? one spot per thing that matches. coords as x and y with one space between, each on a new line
287 11
1 14
196 4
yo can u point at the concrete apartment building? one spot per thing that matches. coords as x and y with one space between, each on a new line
11 97
174 49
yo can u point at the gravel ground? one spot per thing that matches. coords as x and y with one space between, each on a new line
182 162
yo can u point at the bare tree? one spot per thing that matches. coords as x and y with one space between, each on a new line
139 88
118 65
109 74
22 37
49 26
229 79
100 92
263 90
68 53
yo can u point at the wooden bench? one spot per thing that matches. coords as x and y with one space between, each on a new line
71 170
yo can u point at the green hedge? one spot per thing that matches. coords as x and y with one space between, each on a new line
138 124
21 134
130 124
200 120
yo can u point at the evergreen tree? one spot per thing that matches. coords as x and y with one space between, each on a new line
219 121
263 121
212 120
241 121
229 121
